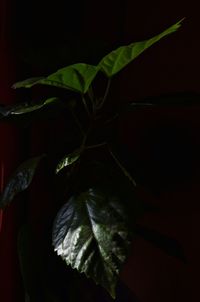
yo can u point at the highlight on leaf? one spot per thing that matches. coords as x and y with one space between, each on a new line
90 234
20 180
26 107
115 61
77 77
68 160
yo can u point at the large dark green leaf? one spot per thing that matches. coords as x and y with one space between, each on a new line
19 181
77 77
122 56
90 233
25 107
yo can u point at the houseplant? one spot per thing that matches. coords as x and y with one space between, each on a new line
93 229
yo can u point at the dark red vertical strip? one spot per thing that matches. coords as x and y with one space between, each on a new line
10 289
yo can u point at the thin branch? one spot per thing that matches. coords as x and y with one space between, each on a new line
78 123
95 146
112 118
91 98
105 94
126 173
85 105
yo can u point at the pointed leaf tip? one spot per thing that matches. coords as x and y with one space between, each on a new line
116 60
91 235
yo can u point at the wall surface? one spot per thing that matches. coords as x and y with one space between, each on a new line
164 141
10 280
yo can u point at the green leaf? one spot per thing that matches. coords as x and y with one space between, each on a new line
20 180
122 56
77 77
90 233
28 83
68 160
25 107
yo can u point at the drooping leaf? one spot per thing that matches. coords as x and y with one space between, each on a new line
122 56
77 77
91 235
68 160
28 83
20 180
25 107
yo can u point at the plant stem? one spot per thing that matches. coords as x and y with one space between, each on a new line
95 146
126 173
78 123
85 105
105 94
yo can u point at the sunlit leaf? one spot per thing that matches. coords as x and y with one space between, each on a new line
122 56
20 180
68 160
90 233
77 77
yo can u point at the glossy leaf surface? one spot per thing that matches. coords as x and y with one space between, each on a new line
77 77
19 181
68 160
26 107
122 56
91 235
